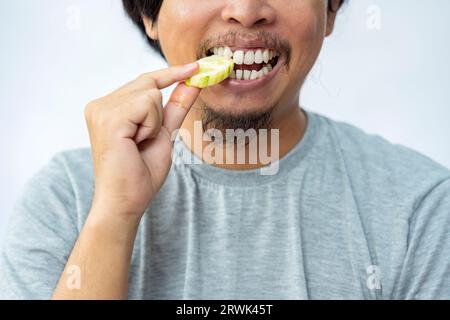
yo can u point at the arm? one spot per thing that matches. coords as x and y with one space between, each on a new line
41 232
99 264
131 138
426 267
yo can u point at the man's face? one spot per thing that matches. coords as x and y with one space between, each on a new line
293 30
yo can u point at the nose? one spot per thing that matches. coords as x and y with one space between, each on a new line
248 13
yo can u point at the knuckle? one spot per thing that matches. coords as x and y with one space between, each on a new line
97 116
147 79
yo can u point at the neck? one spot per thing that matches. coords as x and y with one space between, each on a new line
287 128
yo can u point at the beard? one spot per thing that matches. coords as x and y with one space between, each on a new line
235 127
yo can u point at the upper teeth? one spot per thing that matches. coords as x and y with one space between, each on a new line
248 57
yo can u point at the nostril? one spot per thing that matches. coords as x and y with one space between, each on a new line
256 23
261 21
233 20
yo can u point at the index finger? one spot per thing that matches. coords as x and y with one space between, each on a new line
168 76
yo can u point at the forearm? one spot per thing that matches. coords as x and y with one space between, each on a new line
101 258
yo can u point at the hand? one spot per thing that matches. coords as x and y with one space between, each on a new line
130 134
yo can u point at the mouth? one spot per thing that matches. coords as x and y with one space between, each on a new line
249 63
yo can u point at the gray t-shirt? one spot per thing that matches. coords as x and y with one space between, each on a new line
348 216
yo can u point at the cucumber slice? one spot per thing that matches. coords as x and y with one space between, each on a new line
213 70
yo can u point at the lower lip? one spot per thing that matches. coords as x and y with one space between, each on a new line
246 85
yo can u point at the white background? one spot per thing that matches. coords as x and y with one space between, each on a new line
393 80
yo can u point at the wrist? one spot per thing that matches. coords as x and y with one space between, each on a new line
113 223
116 207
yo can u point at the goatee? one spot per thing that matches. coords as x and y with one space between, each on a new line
231 124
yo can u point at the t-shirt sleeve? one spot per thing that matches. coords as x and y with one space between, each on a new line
40 235
426 269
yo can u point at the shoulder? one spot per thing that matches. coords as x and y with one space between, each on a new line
377 152
73 159
57 195
380 166
74 165
63 183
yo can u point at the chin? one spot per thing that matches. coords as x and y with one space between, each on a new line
238 116
237 106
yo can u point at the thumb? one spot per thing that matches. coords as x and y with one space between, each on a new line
180 102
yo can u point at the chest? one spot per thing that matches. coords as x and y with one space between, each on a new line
239 248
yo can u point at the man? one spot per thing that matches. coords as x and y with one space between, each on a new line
341 215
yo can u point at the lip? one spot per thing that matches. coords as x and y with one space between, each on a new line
247 85
242 43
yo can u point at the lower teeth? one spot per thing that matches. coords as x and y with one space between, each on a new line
251 74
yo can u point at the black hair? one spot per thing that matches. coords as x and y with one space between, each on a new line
136 9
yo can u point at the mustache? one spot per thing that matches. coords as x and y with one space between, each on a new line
267 38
